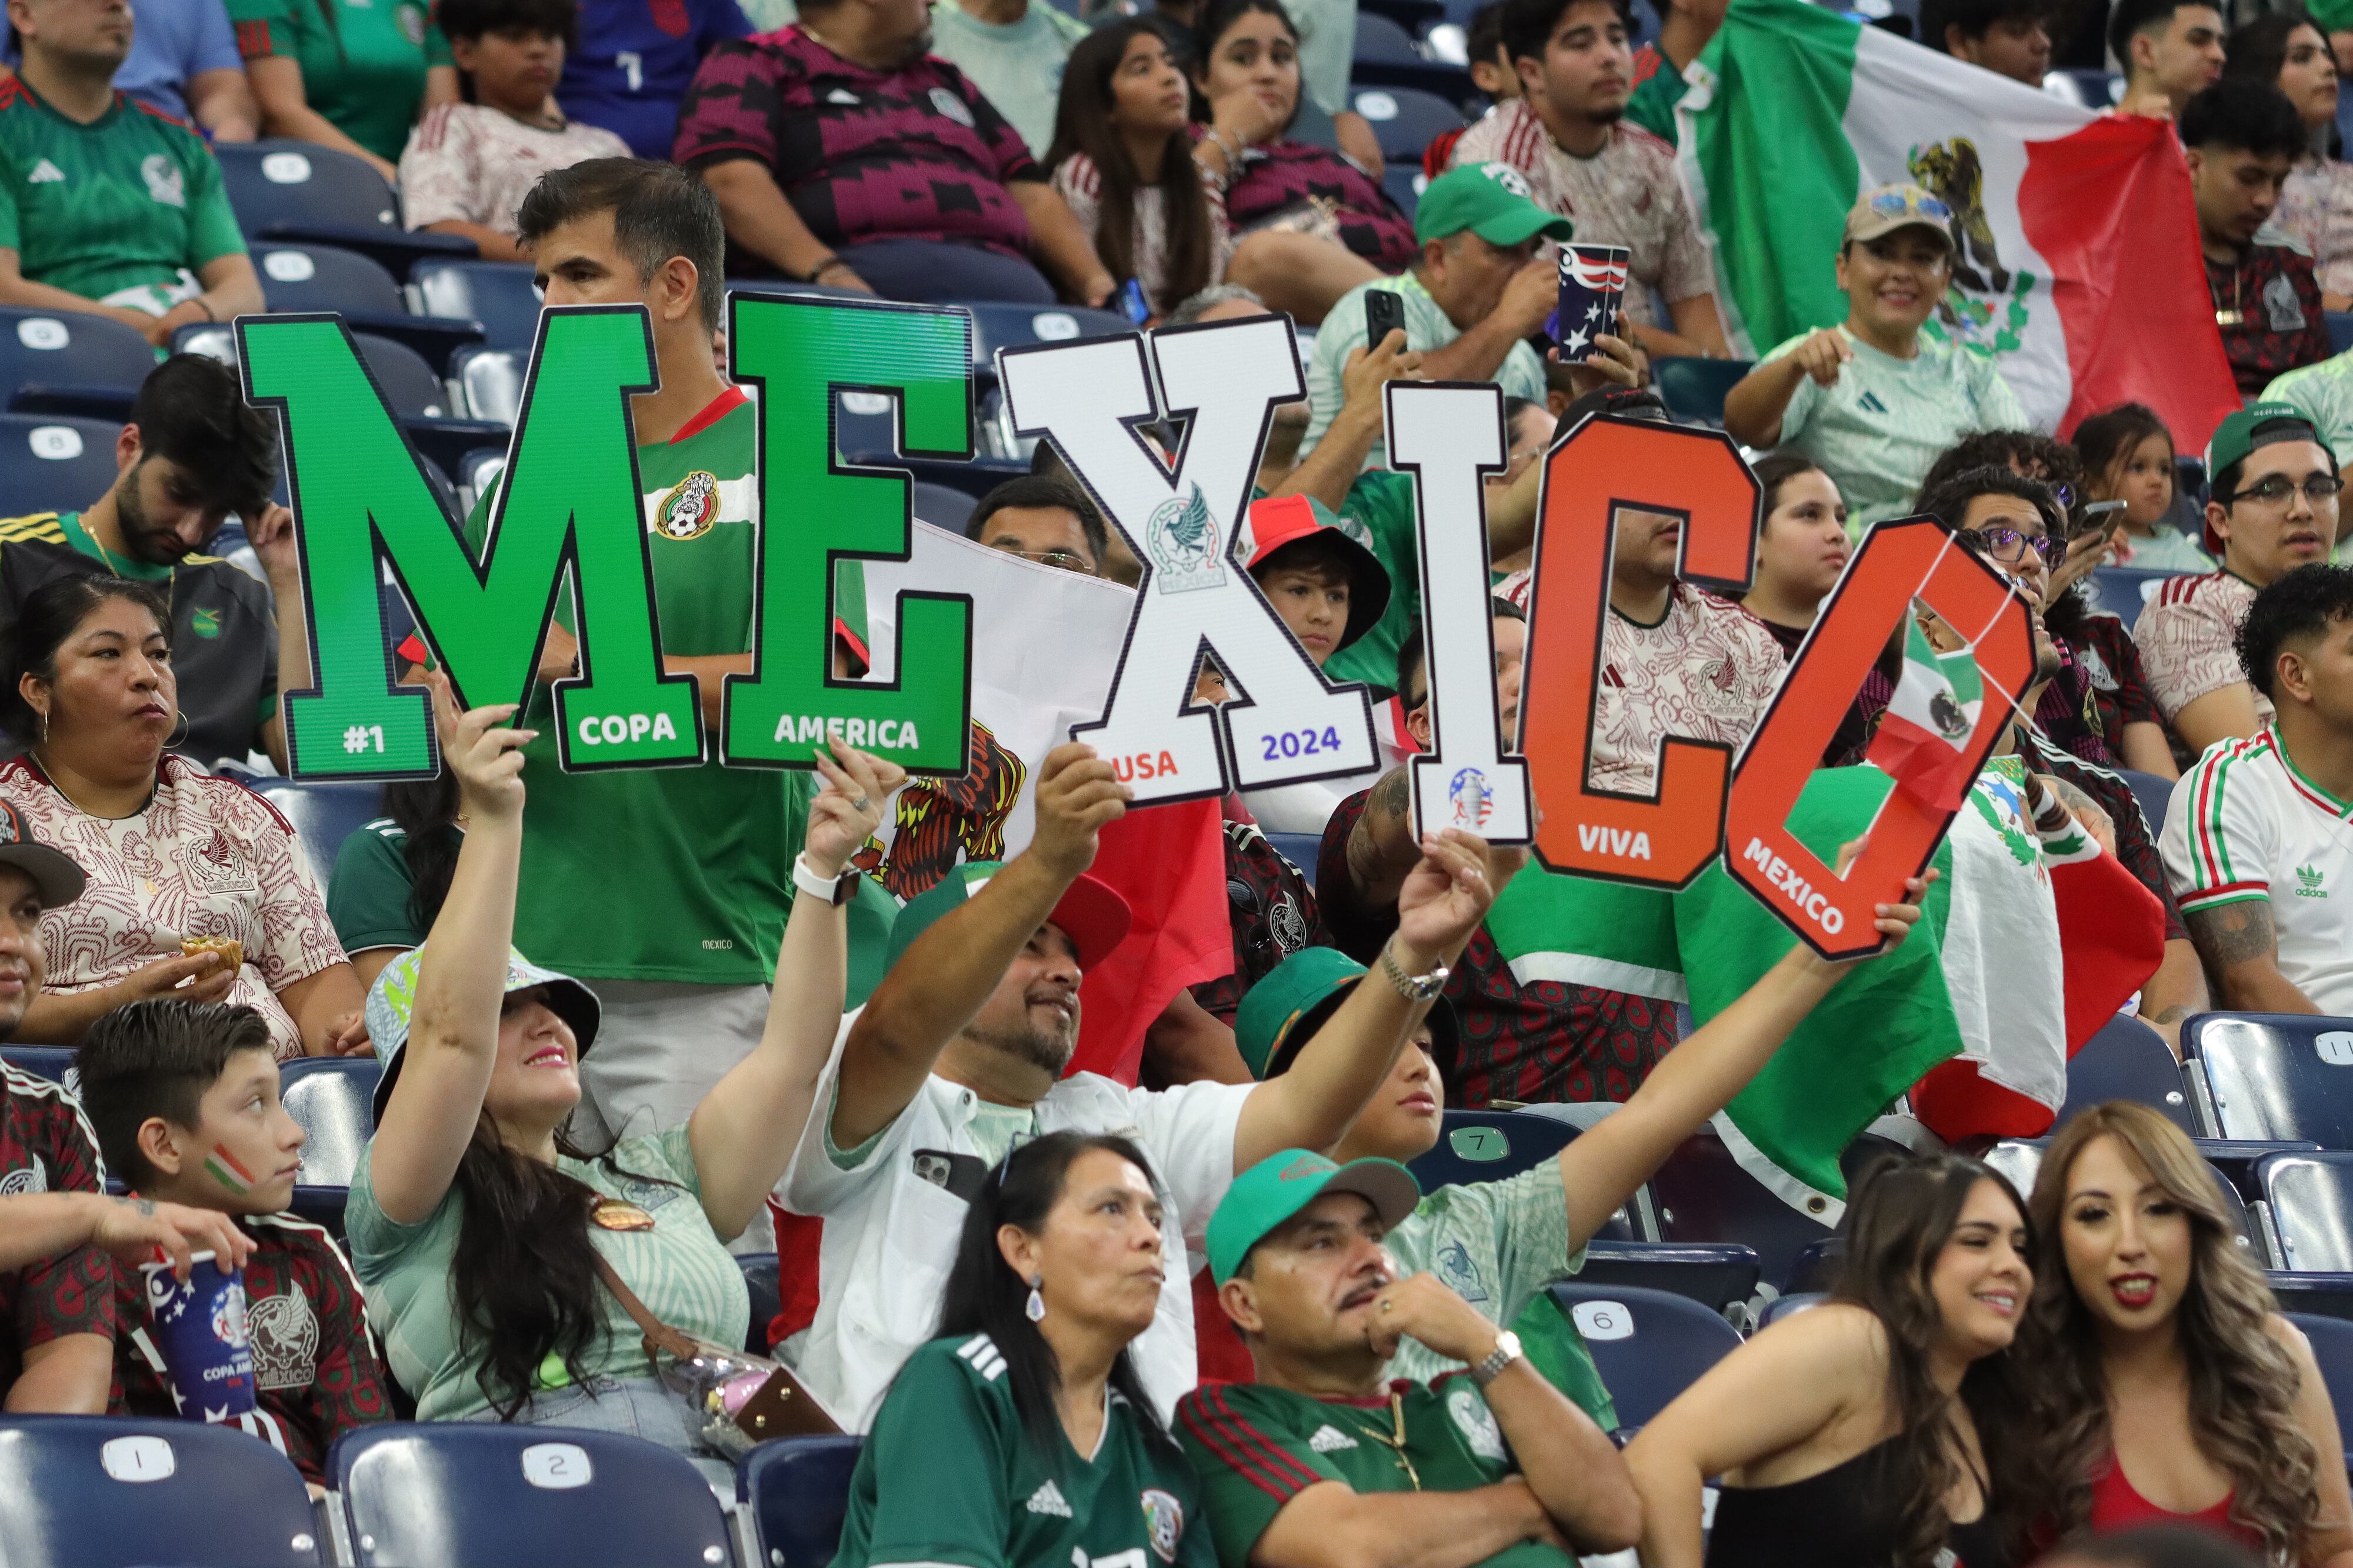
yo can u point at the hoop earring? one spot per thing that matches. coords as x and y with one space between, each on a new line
180 735
1035 1311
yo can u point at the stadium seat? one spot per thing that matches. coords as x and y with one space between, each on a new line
1415 16
2152 793
1647 1345
2124 591
51 1062
299 192
1716 1276
1380 40
323 815
1302 849
55 462
942 507
1488 1146
1782 1307
2308 1202
478 472
760 1280
2022 1162
1704 1195
410 386
1816 1267
501 295
334 1099
2127 1061
997 325
2189 477
93 1491
2341 331
2313 1295
1692 388
1405 183
55 351
797 1491
974 480
490 382
1406 119
325 277
467 1495
2332 1347
2275 1074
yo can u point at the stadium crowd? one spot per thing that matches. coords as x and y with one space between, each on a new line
1231 1290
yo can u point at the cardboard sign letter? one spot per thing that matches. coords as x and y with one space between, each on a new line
1601 467
1450 436
1292 725
1898 561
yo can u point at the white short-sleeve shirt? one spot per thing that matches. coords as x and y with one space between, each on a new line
2244 824
892 1223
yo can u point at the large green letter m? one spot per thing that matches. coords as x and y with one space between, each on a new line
569 499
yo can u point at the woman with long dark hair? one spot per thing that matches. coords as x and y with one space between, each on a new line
480 1229
2286 49
2166 1386
1883 1428
1021 1434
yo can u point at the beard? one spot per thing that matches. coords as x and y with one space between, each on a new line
1049 1049
140 538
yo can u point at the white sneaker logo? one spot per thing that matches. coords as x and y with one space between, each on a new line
44 173
1048 1498
1330 1439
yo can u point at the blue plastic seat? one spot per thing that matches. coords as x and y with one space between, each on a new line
94 1491
1302 849
942 506
2313 1295
2152 794
2124 591
1489 1146
410 385
51 1062
1404 119
2332 1347
306 278
53 351
1704 1196
490 382
1693 388
298 192
501 295
1782 1307
55 462
2276 1075
324 814
1647 1345
797 1490
760 1282
334 1099
2022 1162
2309 1199
466 1495
2127 1061
1381 41
1713 1275
1405 183
997 325
2341 331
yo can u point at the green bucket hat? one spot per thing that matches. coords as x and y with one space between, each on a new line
1265 1197
1491 201
1090 912
1283 1011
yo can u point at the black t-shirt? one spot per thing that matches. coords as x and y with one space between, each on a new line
224 627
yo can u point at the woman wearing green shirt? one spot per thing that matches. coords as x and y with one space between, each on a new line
477 1227
1020 1435
352 75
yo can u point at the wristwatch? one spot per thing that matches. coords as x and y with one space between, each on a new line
1412 987
835 890
1506 1351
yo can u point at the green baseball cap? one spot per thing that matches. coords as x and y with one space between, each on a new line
1491 201
1264 1198
1090 912
1284 1009
2243 430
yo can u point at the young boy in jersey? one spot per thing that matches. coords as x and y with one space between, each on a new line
1327 586
185 1098
469 165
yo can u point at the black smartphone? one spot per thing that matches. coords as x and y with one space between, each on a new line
1384 314
1132 303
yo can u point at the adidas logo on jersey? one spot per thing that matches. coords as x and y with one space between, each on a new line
1329 1440
982 1353
44 173
1048 1498
1869 403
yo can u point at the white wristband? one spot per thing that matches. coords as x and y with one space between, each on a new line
806 880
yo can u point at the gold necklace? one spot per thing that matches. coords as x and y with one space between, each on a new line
1393 1440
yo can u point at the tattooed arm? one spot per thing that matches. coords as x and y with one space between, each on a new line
1381 849
2241 951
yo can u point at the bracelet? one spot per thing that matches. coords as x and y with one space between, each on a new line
822 267
1225 141
206 306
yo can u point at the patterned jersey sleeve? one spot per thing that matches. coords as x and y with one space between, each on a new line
2189 647
298 934
441 174
1683 270
72 1293
1080 186
264 27
1250 1463
2219 833
730 108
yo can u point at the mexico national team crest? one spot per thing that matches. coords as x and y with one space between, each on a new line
1183 539
285 1331
1164 1516
1474 803
690 507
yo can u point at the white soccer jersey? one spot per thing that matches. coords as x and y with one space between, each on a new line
2245 824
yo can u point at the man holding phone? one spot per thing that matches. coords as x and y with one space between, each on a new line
1466 306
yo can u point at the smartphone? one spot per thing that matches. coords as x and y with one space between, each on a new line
2095 517
1592 295
1384 314
1132 303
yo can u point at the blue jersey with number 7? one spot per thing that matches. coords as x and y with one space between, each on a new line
635 61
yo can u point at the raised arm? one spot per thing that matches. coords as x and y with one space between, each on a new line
1328 472
2239 948
945 975
1313 1105
1603 1167
1753 408
743 1131
453 1032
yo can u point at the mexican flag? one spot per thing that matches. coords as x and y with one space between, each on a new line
1979 990
2079 272
1938 698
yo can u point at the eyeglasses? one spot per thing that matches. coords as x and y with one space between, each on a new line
1060 560
2008 546
2320 490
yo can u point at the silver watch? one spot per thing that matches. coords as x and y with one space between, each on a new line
1414 988
1506 1351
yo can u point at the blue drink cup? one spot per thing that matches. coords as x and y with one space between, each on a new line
200 1331
1592 297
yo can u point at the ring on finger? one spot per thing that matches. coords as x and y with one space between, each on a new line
861 803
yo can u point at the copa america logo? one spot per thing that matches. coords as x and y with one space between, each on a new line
1473 802
229 1315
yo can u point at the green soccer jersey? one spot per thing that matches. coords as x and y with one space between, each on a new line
1256 1447
364 61
951 1475
1381 502
709 850
128 202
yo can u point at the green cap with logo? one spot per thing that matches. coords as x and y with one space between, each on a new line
1264 1198
2243 430
1491 201
1284 1009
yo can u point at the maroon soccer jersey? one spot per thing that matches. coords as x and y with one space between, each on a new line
47 1146
911 153
2268 306
315 1366
1274 912
1539 1042
1293 177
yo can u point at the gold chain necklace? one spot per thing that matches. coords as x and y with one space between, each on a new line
1395 1440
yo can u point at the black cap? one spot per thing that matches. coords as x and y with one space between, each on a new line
54 875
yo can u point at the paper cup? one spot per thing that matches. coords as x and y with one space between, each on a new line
200 1331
